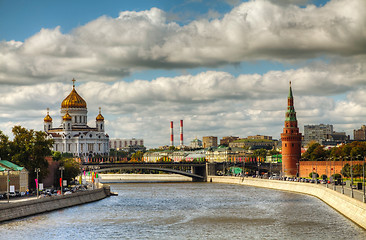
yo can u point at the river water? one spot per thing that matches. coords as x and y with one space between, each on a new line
190 211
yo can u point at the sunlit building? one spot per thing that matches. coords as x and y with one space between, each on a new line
74 135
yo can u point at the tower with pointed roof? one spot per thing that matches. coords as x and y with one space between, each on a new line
291 140
74 135
47 121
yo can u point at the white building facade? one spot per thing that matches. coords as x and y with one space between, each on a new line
122 144
74 135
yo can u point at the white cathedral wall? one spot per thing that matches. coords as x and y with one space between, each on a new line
77 145
76 112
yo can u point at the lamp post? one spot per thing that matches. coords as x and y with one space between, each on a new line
334 175
258 169
7 185
37 170
316 171
61 182
363 176
352 178
342 175
270 168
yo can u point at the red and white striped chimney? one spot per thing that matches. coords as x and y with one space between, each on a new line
181 132
171 134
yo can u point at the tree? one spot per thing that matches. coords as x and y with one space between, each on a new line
316 175
4 146
316 152
346 170
56 156
260 153
72 169
274 152
29 149
172 148
312 146
137 155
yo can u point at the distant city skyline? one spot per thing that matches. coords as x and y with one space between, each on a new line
221 66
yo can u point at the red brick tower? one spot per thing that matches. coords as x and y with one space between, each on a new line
291 140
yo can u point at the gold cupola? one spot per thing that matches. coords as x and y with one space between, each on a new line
67 116
100 117
48 117
73 100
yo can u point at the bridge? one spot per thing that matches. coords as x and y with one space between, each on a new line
197 171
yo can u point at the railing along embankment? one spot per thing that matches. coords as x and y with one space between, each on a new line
10 211
351 208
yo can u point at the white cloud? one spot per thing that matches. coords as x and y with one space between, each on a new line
210 103
108 49
100 53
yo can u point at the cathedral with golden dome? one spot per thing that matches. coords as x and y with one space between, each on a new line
74 135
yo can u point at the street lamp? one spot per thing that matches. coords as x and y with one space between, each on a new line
363 176
297 174
7 185
270 167
352 178
258 169
61 182
342 175
334 175
37 170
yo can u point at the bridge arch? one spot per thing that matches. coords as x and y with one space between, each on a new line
195 177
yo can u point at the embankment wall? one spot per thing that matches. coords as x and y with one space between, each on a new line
349 207
16 210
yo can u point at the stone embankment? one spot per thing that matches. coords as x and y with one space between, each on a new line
22 209
349 207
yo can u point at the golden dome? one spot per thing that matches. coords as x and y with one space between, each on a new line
73 100
67 117
48 117
100 117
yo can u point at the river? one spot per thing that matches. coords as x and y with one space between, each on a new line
190 211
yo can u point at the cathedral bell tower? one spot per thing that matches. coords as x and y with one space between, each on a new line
66 122
291 141
47 121
100 122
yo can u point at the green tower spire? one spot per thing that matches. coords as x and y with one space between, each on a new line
290 113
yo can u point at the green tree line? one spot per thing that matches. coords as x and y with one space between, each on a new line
27 149
355 150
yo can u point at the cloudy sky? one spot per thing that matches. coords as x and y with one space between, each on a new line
222 66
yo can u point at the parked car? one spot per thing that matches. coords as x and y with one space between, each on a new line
12 194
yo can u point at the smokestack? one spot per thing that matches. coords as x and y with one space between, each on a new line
171 134
181 132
